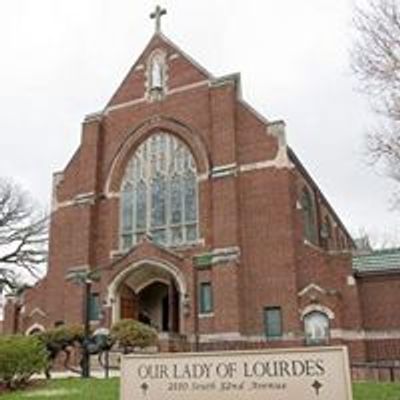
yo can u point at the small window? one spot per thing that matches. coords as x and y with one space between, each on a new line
316 327
94 307
206 298
273 322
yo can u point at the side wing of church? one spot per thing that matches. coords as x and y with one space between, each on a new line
201 221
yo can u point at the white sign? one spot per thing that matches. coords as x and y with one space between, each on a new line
284 374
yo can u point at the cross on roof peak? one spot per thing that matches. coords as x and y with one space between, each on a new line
157 14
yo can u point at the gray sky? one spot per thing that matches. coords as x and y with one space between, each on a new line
61 60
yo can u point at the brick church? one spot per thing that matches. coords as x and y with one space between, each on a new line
200 220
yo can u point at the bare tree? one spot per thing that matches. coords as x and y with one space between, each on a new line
23 237
375 60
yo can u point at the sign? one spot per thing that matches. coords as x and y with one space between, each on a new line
284 374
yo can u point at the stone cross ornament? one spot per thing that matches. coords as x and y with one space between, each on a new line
157 14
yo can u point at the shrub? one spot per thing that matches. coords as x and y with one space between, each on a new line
130 334
20 358
63 336
61 340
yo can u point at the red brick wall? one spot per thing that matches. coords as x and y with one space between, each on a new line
380 299
255 211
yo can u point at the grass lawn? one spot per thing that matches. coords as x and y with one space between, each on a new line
69 389
101 389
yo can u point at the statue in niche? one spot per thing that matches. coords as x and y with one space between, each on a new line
157 74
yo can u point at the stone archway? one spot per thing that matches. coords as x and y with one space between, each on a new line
152 292
35 329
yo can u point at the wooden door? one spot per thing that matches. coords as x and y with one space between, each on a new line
129 304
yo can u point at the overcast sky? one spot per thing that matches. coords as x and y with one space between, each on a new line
63 59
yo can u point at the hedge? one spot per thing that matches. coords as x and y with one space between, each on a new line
20 358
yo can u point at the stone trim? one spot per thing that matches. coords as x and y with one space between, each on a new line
238 337
344 334
280 161
317 308
93 117
278 129
231 79
113 298
174 56
84 198
124 105
34 327
348 334
217 256
188 87
311 286
74 271
39 311
222 171
57 179
144 99
206 315
79 199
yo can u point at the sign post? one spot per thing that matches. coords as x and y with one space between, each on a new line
284 374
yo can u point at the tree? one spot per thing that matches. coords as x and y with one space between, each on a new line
23 237
375 60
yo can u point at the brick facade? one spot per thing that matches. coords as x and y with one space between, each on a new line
251 244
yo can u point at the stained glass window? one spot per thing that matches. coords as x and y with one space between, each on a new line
159 193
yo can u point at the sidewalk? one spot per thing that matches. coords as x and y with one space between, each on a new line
98 374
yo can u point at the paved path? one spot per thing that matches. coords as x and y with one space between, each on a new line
67 374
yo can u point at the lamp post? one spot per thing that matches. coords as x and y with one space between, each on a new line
85 279
86 332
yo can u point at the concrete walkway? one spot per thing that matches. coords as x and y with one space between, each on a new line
98 374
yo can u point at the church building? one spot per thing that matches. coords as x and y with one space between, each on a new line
198 218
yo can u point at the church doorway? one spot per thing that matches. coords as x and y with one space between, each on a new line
152 296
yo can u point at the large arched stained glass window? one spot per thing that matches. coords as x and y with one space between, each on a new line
159 193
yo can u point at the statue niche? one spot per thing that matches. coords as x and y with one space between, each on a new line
156 76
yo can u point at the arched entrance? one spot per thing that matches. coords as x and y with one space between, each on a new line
151 292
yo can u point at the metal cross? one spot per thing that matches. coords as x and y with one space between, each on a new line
145 387
157 14
317 387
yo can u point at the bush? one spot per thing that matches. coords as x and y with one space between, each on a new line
130 334
61 340
62 336
20 358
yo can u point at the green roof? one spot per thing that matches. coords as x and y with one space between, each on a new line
377 261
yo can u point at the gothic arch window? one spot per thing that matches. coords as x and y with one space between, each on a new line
309 225
159 193
316 328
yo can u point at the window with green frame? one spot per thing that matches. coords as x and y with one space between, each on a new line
273 322
206 298
94 307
